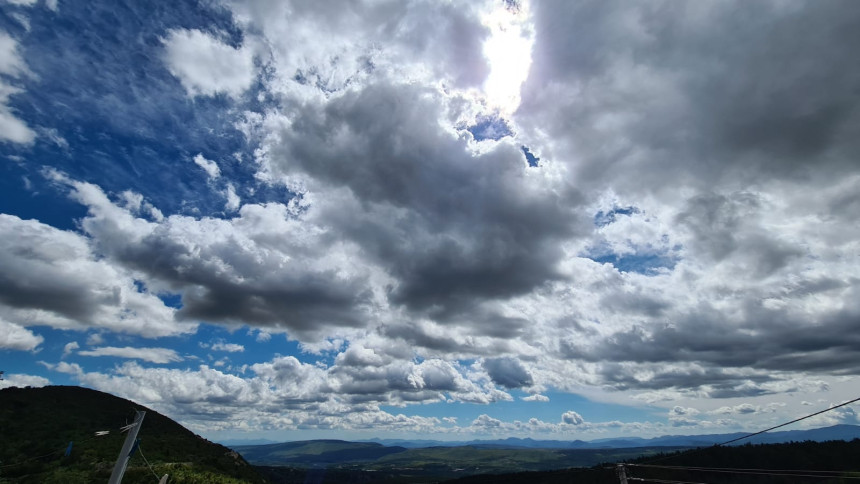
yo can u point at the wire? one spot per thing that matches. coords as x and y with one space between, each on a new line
640 479
757 472
700 449
140 451
793 421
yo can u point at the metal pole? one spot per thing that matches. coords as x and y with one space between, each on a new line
622 473
122 460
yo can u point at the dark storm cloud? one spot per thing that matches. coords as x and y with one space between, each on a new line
453 228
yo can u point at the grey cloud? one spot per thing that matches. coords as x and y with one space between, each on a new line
239 270
468 227
53 277
750 90
764 339
723 225
508 372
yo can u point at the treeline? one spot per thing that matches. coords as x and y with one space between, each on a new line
838 457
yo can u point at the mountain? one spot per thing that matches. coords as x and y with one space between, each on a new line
39 423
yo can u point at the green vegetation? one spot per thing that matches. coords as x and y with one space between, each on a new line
38 424
837 456
339 461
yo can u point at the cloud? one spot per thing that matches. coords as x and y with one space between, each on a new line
12 129
572 418
228 347
508 372
209 166
471 214
486 422
154 355
238 270
206 66
16 337
233 200
69 348
21 381
53 276
537 397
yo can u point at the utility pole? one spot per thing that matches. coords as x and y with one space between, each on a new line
125 453
621 471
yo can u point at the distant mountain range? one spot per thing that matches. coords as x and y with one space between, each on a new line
415 460
836 432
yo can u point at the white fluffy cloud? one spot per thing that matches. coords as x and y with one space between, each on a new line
16 337
154 355
21 381
209 166
207 66
572 418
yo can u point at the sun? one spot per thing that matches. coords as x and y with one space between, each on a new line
508 51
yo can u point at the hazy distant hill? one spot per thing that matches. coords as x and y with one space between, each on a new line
38 422
341 461
314 452
836 432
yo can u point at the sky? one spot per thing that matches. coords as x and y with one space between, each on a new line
435 219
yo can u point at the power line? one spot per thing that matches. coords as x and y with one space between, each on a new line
140 450
700 449
664 481
756 472
793 421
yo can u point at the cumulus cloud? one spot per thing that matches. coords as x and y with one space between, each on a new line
238 270
572 418
16 337
154 355
53 277
206 66
21 381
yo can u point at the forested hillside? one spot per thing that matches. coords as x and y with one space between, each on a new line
38 424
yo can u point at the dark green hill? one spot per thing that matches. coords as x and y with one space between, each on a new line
37 424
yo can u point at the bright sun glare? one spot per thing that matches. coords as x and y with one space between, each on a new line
508 51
